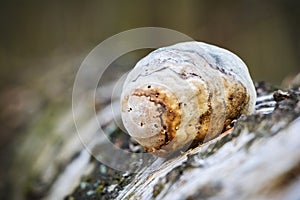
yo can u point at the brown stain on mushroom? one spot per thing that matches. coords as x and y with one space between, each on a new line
170 116
236 98
205 110
203 126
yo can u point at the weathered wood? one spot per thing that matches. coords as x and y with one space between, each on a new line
260 159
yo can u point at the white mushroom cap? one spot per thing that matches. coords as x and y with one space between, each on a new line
184 94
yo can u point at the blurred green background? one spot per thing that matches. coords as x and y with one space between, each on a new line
264 33
42 44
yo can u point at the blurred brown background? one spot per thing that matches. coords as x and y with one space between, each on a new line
42 44
264 33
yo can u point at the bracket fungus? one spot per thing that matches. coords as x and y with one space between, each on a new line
183 95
